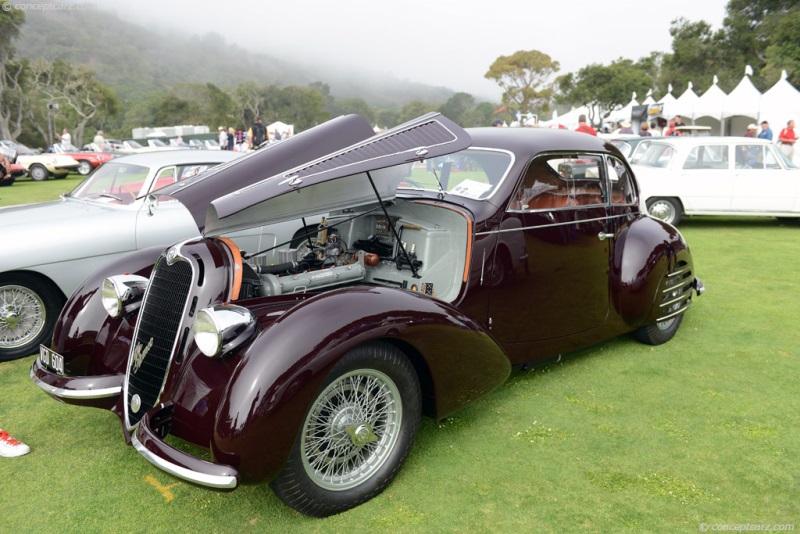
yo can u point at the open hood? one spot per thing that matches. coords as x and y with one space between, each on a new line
347 178
197 193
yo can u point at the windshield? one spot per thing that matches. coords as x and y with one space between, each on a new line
116 181
133 144
654 155
472 173
156 142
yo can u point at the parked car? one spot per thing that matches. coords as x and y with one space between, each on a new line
88 160
445 258
716 176
629 144
42 166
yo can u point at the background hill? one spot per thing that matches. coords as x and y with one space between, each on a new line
139 63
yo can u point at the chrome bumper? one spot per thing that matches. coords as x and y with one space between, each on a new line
177 463
74 389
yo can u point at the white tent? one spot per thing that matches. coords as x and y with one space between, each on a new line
684 104
570 119
285 130
742 105
779 104
649 98
709 108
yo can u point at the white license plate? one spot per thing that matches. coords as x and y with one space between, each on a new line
51 360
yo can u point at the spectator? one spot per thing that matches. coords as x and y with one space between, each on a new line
99 140
678 121
10 447
222 138
766 132
65 138
751 130
625 127
257 134
786 140
645 130
231 138
584 127
671 131
497 123
5 167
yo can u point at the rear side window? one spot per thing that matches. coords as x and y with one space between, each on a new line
619 176
560 181
707 157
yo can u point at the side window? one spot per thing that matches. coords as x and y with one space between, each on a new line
560 181
749 156
621 182
770 160
164 177
707 157
187 171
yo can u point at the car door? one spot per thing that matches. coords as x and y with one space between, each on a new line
760 183
705 178
562 288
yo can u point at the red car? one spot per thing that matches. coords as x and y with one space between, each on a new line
15 171
88 160
308 364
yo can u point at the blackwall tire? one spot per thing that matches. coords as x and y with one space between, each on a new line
29 308
356 435
661 332
84 167
668 210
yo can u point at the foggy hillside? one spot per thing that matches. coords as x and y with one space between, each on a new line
138 63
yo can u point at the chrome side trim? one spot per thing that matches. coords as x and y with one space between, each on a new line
76 393
597 219
212 481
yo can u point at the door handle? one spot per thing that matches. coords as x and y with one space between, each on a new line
602 236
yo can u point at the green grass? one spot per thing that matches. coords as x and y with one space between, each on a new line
621 437
27 191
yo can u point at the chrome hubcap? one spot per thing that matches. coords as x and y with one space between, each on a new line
351 430
663 211
22 316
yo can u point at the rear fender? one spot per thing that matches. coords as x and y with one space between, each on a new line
282 371
644 250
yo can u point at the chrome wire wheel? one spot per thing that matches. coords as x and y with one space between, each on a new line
351 429
22 316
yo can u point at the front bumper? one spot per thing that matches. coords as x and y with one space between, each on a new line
147 442
101 391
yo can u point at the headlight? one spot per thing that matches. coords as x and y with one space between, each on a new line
120 293
222 328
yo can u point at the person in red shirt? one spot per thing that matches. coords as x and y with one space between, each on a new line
786 140
585 128
671 130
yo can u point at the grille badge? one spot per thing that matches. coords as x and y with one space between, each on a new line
139 355
136 403
172 254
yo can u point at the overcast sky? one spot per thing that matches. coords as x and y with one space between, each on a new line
439 42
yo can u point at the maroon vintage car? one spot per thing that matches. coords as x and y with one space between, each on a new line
444 258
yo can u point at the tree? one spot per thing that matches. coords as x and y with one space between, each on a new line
10 22
784 51
352 105
413 109
458 107
604 87
76 89
523 77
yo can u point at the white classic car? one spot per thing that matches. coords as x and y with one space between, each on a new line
42 166
716 176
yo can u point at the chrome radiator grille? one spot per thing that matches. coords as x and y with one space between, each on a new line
156 336
675 293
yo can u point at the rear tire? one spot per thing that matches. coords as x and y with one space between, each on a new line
85 167
668 210
661 332
356 435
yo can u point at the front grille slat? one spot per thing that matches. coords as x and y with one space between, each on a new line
676 291
160 321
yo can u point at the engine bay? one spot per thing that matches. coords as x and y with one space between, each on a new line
409 245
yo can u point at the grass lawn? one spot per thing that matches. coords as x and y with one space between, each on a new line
621 437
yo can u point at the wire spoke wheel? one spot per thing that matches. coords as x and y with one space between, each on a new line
22 316
351 429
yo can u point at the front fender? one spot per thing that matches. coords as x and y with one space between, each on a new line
644 251
281 373
92 342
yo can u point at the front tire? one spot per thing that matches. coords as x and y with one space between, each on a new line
356 435
29 308
668 210
38 173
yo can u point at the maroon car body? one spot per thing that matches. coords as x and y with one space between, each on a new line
445 258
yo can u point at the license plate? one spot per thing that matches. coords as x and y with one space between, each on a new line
51 360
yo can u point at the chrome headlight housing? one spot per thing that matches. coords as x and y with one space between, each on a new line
123 293
222 328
